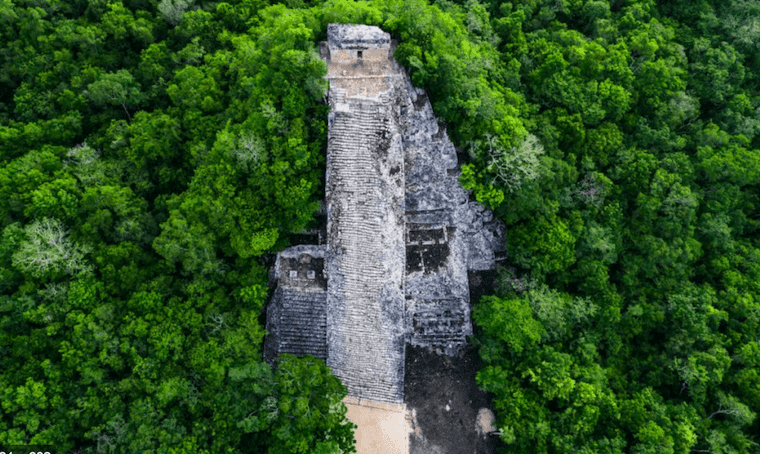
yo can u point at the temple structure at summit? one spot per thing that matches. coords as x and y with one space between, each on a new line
401 233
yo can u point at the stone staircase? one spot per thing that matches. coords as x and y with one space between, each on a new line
367 370
303 324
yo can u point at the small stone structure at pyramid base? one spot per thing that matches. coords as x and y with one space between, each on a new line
401 231
297 312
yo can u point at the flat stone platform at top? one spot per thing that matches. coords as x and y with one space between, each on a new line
347 36
360 64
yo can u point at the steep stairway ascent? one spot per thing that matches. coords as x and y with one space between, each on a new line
303 324
363 364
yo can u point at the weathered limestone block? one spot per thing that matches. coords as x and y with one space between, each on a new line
349 36
302 267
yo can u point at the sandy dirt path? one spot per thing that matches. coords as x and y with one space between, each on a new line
383 428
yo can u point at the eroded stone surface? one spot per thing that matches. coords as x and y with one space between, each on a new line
401 232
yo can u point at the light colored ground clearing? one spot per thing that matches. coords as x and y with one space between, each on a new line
382 428
485 421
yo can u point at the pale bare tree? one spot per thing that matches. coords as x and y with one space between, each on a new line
48 248
173 10
515 166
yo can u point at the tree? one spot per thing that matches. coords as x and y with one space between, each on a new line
48 251
516 166
311 414
116 89
543 244
191 245
173 10
510 320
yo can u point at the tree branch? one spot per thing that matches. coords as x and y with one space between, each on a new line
129 117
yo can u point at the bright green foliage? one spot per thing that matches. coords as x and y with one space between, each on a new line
153 155
511 321
310 409
646 235
115 89
544 244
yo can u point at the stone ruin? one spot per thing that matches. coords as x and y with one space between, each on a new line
401 232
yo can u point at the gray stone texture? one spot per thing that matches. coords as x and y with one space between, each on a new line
348 36
296 315
401 232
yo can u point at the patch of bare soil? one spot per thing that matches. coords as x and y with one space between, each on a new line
445 398
446 402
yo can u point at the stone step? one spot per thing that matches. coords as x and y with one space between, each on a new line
367 188
348 148
360 224
359 261
292 332
364 346
351 157
375 273
298 351
317 343
307 345
378 393
359 182
315 322
351 164
356 265
355 228
365 122
358 131
368 182
367 178
356 278
356 236
367 337
449 337
348 140
306 302
362 127
356 110
367 389
358 291
369 379
359 233
360 282
359 258
301 313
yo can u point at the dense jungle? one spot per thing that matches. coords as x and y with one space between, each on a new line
154 153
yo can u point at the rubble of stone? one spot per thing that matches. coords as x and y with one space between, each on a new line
401 231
